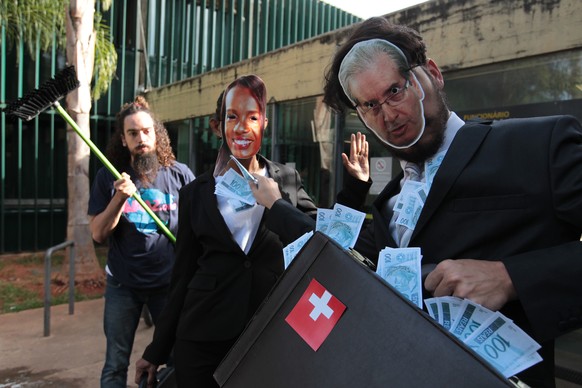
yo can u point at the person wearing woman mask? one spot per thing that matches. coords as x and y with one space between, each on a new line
228 255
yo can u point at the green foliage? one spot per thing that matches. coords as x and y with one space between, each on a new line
14 299
17 299
34 22
105 58
41 23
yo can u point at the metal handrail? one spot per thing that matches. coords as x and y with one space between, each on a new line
47 282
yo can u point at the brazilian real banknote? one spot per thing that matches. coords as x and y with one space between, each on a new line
345 225
234 186
490 334
292 249
401 268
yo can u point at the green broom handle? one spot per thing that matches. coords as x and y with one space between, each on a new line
112 169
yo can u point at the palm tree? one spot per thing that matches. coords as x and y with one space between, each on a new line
92 53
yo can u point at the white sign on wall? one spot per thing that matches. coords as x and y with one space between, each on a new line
381 173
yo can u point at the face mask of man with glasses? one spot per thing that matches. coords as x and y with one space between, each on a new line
390 99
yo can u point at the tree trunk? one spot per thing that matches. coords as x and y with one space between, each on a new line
80 53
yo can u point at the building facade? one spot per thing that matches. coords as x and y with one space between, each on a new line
499 59
158 42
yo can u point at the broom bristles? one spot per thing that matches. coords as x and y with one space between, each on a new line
35 102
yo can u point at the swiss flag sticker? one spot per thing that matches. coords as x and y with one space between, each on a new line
315 315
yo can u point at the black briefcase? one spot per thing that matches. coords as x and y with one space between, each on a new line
379 340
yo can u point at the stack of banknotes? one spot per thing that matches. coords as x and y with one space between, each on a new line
490 334
234 187
342 224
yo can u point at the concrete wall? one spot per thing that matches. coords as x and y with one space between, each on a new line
458 33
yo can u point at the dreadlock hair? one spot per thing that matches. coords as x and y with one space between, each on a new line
119 155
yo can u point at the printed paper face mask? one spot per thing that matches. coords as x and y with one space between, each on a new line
376 77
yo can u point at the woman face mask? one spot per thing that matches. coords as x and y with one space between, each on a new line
243 123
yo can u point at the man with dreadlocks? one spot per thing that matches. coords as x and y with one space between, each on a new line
140 257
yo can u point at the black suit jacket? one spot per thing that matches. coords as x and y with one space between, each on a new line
509 191
216 287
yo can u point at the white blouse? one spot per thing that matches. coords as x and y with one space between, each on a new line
242 220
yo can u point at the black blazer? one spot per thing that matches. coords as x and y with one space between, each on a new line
216 287
509 191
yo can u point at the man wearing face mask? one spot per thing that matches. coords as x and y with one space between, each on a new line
502 210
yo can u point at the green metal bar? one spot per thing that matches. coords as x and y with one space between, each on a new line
123 53
112 169
289 11
137 37
249 28
273 25
256 28
159 40
170 56
239 32
246 28
304 21
222 37
192 35
230 36
206 42
183 41
36 147
212 36
281 24
200 40
332 18
2 136
111 25
326 18
52 147
296 11
264 27
317 18
19 149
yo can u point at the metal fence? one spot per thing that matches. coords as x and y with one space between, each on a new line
158 42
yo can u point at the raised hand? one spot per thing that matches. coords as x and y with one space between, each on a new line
358 164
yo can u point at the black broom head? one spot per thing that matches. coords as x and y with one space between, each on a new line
35 102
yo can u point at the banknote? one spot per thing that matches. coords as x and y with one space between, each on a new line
501 343
493 336
409 188
449 307
234 186
246 174
470 316
345 225
323 220
291 250
433 307
432 165
400 267
410 203
523 364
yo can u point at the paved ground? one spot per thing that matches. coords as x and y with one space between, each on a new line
72 356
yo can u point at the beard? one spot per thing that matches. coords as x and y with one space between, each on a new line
433 136
146 167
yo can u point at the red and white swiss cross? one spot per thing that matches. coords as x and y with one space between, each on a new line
315 315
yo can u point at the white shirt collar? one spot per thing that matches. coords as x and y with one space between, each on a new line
454 123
